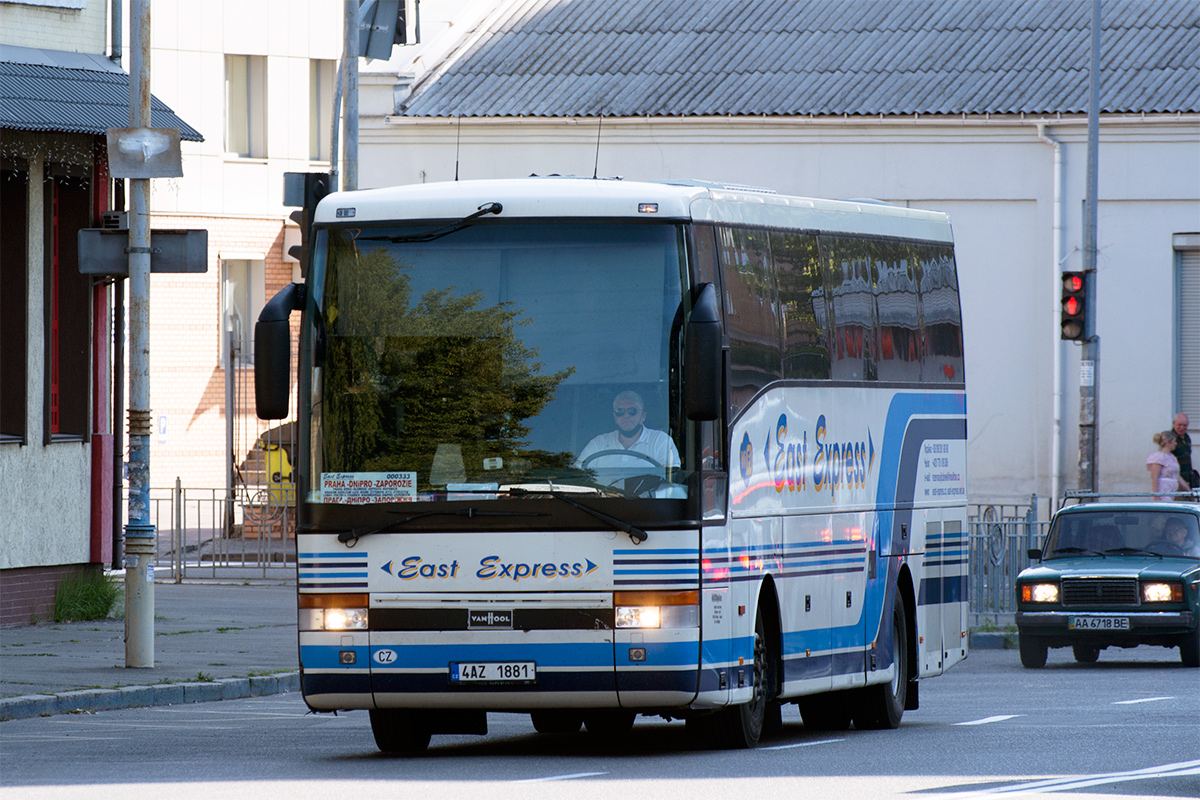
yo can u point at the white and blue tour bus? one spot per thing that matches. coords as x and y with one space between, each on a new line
593 449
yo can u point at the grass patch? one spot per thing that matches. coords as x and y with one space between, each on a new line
87 594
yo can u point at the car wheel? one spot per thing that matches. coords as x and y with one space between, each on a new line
1033 651
1189 650
1084 654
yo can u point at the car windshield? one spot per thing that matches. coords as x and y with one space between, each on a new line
497 359
1123 532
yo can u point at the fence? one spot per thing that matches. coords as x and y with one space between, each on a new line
999 537
214 533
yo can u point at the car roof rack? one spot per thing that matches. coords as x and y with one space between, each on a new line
1081 497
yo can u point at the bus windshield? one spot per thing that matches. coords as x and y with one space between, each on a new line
497 359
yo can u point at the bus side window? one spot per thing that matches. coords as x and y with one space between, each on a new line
850 303
801 305
751 312
942 317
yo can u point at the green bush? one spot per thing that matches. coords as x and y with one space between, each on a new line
87 594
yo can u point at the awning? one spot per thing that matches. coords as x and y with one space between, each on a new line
53 90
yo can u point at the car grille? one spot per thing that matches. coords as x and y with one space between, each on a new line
1099 591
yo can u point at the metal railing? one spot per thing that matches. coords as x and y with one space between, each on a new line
1000 536
212 533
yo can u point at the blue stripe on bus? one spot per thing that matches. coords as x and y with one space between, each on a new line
332 575
340 585
329 555
318 683
952 589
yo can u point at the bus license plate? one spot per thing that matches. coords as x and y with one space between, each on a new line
493 672
1098 623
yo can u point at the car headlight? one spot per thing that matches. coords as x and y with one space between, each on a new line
1162 592
1039 593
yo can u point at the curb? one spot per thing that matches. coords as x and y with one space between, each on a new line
992 640
165 694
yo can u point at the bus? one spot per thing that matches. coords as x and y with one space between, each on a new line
593 449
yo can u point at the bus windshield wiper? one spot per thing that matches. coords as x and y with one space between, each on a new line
354 534
437 233
635 533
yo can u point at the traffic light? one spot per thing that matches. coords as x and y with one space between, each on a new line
304 189
1074 306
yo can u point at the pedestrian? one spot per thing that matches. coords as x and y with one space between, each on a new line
1183 451
1165 479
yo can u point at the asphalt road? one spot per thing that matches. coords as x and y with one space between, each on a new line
1127 726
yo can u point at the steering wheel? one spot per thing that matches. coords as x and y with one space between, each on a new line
587 461
1166 548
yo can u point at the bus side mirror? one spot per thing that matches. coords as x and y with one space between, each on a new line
273 352
702 358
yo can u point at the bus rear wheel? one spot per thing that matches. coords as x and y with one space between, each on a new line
399 730
881 706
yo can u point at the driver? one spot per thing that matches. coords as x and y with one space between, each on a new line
1175 533
631 434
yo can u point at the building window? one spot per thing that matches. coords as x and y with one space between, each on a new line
68 307
1187 315
14 299
321 86
242 289
246 106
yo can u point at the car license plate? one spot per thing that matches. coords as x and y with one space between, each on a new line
1098 623
493 672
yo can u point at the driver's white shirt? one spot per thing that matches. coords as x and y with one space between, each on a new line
655 444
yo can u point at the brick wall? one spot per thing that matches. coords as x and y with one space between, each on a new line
187 381
27 594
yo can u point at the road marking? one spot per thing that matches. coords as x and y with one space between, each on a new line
568 777
800 744
1143 700
986 720
1084 781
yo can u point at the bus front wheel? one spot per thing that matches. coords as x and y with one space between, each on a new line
399 730
741 726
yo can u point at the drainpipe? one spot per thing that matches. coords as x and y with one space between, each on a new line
1059 258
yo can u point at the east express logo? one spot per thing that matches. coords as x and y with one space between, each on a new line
835 466
490 568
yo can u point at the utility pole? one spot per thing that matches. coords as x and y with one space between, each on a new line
1089 365
140 540
350 97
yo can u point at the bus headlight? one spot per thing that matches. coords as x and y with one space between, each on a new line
1039 593
345 619
1162 592
657 609
333 612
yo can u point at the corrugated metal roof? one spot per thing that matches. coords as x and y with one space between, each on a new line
49 90
565 58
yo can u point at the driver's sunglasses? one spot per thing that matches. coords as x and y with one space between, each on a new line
622 412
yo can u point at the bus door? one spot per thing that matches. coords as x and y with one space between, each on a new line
847 564
806 599
927 547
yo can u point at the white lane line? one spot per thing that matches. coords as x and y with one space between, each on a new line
1083 781
568 777
987 720
1143 700
800 744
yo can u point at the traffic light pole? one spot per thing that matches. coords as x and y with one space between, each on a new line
1089 367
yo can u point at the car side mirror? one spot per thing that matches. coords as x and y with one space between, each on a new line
1034 553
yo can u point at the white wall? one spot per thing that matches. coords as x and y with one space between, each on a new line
994 177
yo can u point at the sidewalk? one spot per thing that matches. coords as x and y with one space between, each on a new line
211 642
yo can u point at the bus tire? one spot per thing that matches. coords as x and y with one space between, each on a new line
609 722
881 706
740 727
830 711
556 721
399 730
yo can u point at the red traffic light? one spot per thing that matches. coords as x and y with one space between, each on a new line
1074 305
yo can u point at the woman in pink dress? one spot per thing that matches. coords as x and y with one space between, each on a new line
1164 468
